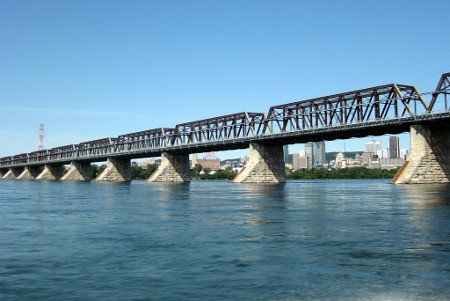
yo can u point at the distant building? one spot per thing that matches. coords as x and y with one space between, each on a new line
374 162
340 161
319 155
300 161
210 162
391 163
194 160
404 153
394 147
309 153
366 158
354 162
287 158
383 153
315 152
144 164
373 147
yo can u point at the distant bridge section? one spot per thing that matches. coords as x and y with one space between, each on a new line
391 108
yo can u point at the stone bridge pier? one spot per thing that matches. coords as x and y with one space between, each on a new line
78 171
30 173
13 173
429 160
117 170
265 165
51 172
3 172
174 168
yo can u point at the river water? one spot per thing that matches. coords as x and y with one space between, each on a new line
213 240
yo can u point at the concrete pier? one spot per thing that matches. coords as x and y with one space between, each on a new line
78 171
429 160
173 169
30 173
117 170
266 165
13 173
51 172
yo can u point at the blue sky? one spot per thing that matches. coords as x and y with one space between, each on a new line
93 69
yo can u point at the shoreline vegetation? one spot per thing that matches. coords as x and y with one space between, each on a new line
199 173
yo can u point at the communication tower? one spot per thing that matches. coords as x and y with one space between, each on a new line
41 136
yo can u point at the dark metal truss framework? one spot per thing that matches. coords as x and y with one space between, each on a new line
367 106
377 103
153 138
221 128
442 92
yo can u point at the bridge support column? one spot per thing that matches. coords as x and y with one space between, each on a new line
429 161
117 170
13 173
3 172
51 172
29 173
174 169
78 171
266 165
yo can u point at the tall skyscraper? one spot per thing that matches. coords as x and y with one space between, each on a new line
373 147
394 147
309 153
315 152
319 155
287 158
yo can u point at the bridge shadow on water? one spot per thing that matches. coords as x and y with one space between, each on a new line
262 191
428 194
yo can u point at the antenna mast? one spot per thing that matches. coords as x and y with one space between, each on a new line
41 136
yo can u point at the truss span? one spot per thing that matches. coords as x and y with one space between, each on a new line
390 108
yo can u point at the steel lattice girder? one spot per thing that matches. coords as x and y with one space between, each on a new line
442 89
243 124
346 108
19 159
150 138
39 155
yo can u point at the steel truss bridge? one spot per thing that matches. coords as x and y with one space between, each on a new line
386 109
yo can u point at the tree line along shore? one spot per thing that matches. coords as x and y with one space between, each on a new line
199 173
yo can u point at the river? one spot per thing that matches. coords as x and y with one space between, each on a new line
213 240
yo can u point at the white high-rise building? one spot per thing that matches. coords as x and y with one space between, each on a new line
373 147
383 153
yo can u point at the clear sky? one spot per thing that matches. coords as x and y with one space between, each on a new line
94 69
